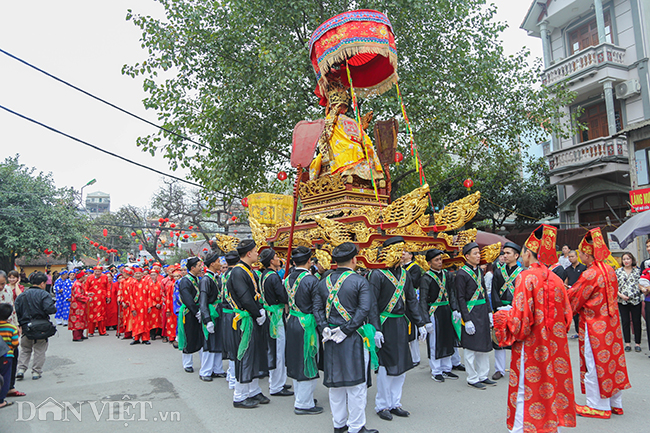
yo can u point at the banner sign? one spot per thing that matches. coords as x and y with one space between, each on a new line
640 199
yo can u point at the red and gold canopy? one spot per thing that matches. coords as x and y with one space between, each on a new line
362 40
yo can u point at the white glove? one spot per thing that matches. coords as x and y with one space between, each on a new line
469 328
210 327
338 336
423 333
260 320
456 315
491 320
327 334
429 328
379 339
198 315
505 308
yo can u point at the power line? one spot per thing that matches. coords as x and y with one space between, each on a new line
103 100
99 148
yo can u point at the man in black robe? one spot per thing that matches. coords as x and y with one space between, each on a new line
274 299
209 302
435 289
415 272
503 289
302 335
189 313
251 360
475 310
228 334
396 298
341 308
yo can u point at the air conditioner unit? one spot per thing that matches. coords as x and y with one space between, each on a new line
627 88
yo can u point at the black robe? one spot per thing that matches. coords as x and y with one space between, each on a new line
304 300
274 294
229 335
395 353
446 338
481 341
193 331
254 363
210 292
343 363
415 272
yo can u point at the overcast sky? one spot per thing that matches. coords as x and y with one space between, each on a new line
86 43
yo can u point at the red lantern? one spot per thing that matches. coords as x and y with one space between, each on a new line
234 218
399 157
190 227
133 234
166 220
186 236
161 220
235 231
205 250
468 183
172 225
105 232
244 202
182 231
157 252
92 243
140 247
282 176
73 247
120 236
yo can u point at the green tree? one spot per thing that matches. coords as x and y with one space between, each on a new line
35 215
237 75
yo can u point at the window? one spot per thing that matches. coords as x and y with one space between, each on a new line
596 209
595 118
587 35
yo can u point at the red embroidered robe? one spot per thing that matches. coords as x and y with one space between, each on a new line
171 320
110 318
593 296
97 289
139 301
125 303
78 318
537 325
155 297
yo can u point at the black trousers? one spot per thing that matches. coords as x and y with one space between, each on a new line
576 322
14 366
647 320
634 311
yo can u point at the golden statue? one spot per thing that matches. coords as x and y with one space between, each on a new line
343 147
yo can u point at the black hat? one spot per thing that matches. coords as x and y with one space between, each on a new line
344 252
266 256
245 246
211 258
431 254
191 262
300 254
469 247
232 258
392 241
514 246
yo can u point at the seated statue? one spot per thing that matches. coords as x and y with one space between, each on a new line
342 147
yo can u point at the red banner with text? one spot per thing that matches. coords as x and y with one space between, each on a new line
640 199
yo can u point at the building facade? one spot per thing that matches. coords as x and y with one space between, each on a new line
600 49
98 203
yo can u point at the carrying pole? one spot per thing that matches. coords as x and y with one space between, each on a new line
293 220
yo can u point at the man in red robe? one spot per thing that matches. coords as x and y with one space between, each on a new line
603 371
110 318
155 294
540 395
124 298
77 320
139 307
97 289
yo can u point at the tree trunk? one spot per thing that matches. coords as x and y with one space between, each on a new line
7 263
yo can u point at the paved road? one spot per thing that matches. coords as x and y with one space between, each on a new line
113 387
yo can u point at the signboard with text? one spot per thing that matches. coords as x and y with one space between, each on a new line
640 199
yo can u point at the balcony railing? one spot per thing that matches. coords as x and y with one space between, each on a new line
586 59
588 151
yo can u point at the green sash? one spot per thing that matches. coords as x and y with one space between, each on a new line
214 312
397 294
442 294
242 316
367 332
310 341
509 282
479 289
275 311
